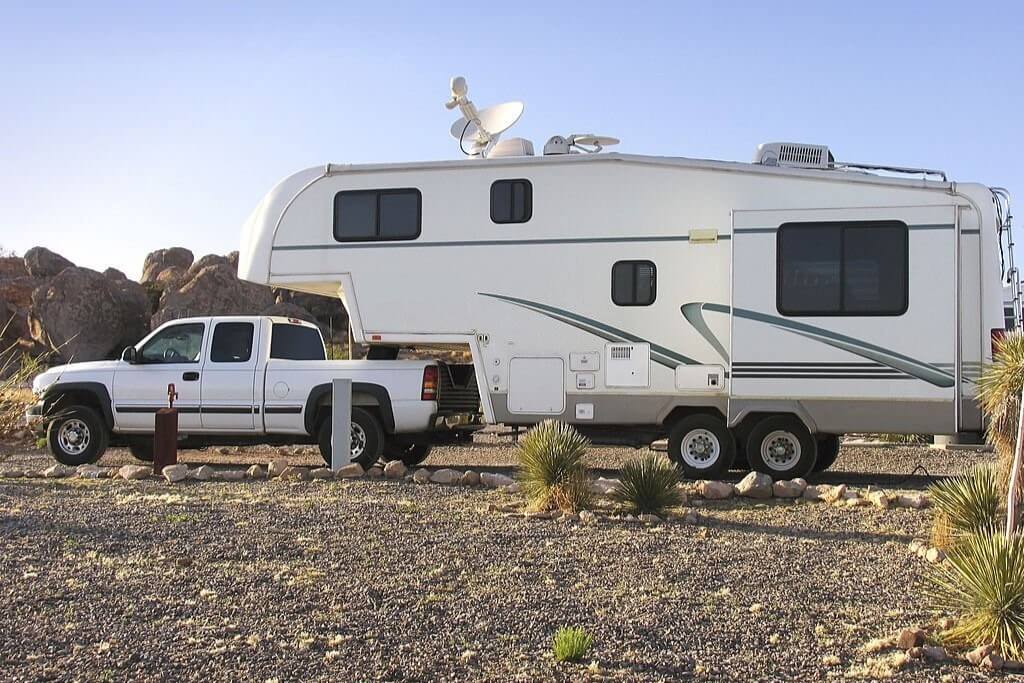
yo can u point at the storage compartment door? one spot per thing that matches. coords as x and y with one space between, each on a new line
536 386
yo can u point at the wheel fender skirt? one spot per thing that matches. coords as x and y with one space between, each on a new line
51 397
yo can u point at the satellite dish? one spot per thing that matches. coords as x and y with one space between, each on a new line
478 131
595 140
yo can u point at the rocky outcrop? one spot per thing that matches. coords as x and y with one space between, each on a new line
213 290
162 259
12 267
82 315
289 311
41 262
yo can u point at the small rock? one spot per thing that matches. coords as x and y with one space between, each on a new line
814 493
978 654
421 476
880 500
537 514
88 472
11 473
375 472
175 473
933 653
512 488
470 478
224 450
935 555
276 467
201 473
915 545
917 501
788 489
293 473
910 637
692 517
395 469
834 493
134 472
587 517
715 490
993 662
256 472
446 476
322 473
352 470
604 486
649 519
493 480
915 652
755 485
946 623
229 475
57 472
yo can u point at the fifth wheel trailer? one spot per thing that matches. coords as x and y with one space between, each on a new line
763 307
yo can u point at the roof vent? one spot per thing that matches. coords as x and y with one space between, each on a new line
512 147
794 155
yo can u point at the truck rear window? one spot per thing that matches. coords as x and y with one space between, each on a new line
296 342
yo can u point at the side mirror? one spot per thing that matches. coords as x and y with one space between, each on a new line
129 355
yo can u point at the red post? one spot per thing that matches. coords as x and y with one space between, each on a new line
165 434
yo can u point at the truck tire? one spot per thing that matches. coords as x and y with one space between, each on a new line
141 448
702 446
409 453
367 438
828 451
77 436
781 447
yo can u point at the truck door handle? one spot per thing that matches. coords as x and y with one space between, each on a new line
190 376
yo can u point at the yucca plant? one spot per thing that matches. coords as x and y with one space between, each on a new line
551 468
966 504
649 484
999 390
571 644
982 584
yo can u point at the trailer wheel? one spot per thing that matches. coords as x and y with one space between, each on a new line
141 448
782 447
367 438
77 436
702 446
828 451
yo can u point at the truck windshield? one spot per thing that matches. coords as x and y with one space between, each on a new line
296 342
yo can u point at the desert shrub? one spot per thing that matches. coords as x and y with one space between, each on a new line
999 390
16 372
571 644
965 504
982 583
649 484
551 468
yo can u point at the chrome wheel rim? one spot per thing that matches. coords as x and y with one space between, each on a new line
358 435
780 450
73 436
700 449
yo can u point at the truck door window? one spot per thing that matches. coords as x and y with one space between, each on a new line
232 343
175 344
296 342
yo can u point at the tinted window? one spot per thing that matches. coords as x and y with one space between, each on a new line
296 342
511 201
174 344
842 268
634 283
368 215
232 343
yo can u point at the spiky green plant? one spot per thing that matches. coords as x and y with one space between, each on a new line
551 468
982 584
571 644
967 503
999 390
649 484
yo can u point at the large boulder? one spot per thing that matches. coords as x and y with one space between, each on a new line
213 290
11 267
327 311
160 260
82 315
207 261
41 262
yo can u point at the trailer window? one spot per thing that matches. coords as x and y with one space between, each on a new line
634 283
377 215
232 343
511 201
296 342
854 269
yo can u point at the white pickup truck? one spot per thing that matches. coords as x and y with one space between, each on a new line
245 380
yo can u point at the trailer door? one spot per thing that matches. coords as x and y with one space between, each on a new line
850 312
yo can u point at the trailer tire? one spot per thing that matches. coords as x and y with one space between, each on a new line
367 436
77 436
782 447
702 446
828 451
141 448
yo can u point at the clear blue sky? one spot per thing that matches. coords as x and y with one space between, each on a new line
125 127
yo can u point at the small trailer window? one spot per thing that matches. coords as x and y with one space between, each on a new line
849 268
377 215
634 283
511 201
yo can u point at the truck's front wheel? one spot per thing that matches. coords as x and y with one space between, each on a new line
77 436
366 435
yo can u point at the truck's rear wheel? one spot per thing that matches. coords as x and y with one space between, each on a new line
366 435
141 448
702 446
828 451
782 447
409 453
77 436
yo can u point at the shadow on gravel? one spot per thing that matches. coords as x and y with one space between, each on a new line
803 532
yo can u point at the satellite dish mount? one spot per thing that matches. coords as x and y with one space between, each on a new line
478 131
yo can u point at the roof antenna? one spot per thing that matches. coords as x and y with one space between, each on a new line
481 129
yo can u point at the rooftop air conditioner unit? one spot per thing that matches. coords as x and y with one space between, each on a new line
793 155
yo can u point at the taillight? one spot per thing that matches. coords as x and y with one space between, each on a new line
998 335
429 392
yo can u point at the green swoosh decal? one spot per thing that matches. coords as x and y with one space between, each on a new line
659 354
692 313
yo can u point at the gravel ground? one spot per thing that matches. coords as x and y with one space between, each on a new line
381 580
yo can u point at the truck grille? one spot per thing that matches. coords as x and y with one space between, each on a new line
457 390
